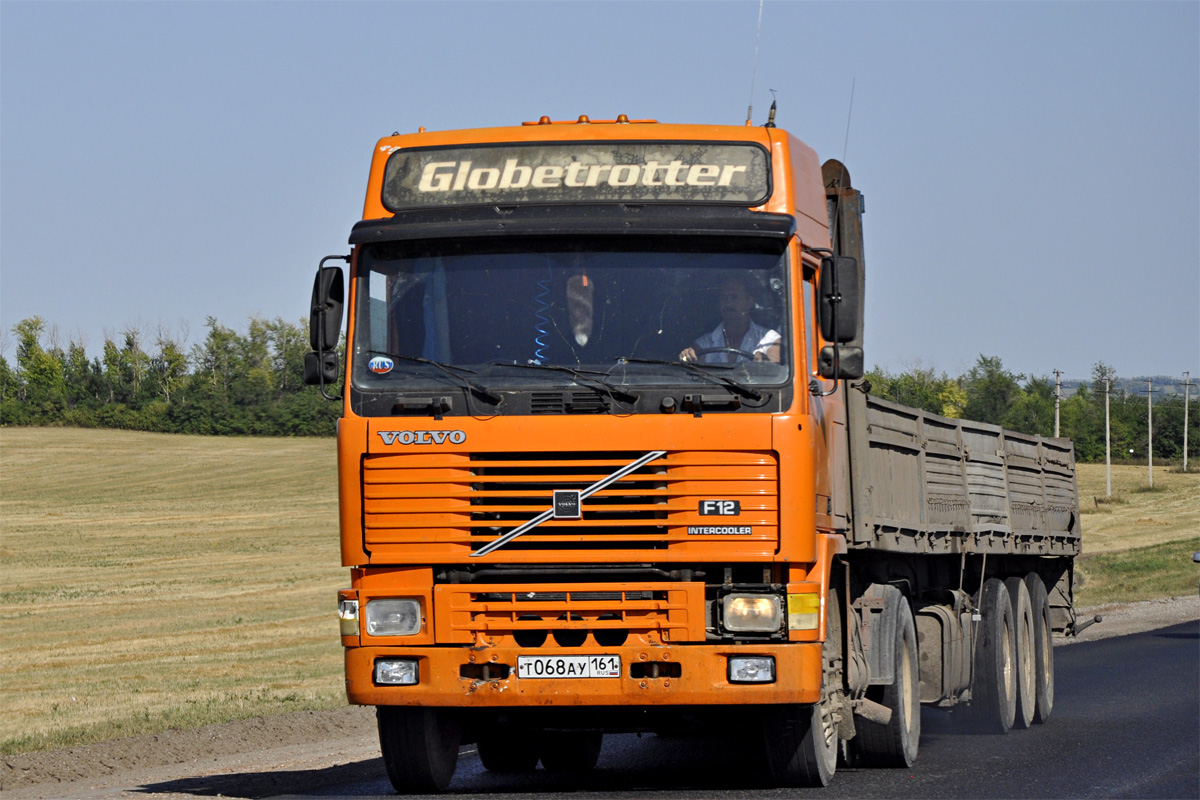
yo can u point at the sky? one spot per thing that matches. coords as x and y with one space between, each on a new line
1031 170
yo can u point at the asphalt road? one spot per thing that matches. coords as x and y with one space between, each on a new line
1126 724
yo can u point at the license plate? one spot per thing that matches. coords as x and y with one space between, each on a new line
568 666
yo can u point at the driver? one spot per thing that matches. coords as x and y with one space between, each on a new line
736 331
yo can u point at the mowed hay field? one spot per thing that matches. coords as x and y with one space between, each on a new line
151 580
1137 544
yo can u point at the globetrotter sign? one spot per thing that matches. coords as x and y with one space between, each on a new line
577 172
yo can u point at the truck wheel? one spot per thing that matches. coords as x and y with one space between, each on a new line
1043 648
1018 597
895 744
572 751
508 751
801 742
994 688
419 746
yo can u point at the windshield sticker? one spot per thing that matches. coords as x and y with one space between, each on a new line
577 172
380 365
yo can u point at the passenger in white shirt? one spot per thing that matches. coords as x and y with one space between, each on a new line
736 331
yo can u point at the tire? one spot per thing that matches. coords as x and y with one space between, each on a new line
994 685
419 746
1018 597
800 742
570 751
508 751
895 744
1043 650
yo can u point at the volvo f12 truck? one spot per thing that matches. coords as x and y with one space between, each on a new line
607 463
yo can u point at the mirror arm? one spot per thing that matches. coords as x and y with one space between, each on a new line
324 393
834 301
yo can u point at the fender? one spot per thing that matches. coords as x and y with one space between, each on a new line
818 580
879 610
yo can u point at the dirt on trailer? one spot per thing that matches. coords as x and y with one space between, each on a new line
299 751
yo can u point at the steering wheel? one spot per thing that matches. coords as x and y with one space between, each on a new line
701 352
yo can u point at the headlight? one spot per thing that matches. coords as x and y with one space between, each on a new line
393 617
396 671
348 617
751 612
751 669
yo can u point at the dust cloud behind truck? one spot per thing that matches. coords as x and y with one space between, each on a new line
607 463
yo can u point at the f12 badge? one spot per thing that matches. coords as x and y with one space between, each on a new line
720 508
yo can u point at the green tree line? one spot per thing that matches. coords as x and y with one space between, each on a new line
988 392
249 383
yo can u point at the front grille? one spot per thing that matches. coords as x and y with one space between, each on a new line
456 503
567 617
512 488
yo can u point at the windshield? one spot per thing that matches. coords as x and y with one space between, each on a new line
624 311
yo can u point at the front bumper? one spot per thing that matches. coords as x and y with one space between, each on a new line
687 675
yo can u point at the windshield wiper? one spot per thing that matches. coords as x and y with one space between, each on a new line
702 371
449 369
584 376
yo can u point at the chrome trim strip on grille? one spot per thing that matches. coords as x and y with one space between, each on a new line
600 485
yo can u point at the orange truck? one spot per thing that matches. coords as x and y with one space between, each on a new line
607 463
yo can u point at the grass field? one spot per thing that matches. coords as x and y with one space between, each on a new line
1137 544
150 581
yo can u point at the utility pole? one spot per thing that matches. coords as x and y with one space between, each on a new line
1057 398
1107 444
1150 430
1187 384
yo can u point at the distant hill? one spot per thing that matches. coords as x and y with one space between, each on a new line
1165 386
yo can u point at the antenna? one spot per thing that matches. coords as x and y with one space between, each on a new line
754 71
771 116
849 114
835 222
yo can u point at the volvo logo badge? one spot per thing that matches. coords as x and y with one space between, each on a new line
567 504
422 437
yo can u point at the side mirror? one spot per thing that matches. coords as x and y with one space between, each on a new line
839 299
328 297
320 368
849 363
839 311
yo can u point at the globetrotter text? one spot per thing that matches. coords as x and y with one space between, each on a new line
446 176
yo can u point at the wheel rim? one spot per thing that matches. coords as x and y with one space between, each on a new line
907 696
1028 666
1007 661
829 724
1047 655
